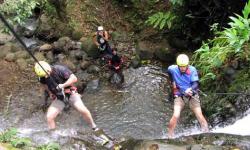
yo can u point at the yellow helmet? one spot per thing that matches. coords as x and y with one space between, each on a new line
40 71
182 60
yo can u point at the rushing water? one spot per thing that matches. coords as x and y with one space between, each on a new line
139 110
240 127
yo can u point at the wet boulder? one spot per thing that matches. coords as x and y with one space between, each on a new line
93 85
28 29
145 50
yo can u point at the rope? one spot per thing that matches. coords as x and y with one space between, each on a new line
26 48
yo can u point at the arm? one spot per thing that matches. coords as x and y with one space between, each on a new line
194 85
95 41
72 79
173 84
106 36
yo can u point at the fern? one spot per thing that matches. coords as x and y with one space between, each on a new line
227 44
161 20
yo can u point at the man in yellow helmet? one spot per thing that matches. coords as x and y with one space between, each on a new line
184 78
56 79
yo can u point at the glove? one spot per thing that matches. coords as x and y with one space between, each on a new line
60 87
117 67
189 92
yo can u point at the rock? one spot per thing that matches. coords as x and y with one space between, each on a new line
28 29
62 45
30 42
50 56
145 50
16 47
77 54
76 45
197 147
90 48
44 30
84 64
93 69
10 57
5 49
93 85
4 38
69 64
22 63
22 54
178 43
76 35
135 63
60 57
45 47
40 56
163 52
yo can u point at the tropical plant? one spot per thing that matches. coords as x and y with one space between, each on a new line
226 46
18 11
50 146
161 20
10 136
164 19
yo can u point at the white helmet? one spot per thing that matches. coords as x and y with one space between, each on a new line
100 28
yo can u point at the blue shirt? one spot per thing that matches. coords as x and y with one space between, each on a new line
183 81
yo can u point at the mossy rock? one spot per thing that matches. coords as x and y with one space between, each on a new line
90 48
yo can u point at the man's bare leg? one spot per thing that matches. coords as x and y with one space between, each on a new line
203 122
173 121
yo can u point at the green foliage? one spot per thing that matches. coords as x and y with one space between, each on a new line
50 146
10 136
227 45
20 142
161 20
18 11
49 9
177 2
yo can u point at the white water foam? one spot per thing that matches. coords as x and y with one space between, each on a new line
240 127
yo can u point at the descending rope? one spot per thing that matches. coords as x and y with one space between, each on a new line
26 48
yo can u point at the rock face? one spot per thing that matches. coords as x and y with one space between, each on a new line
90 48
196 142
